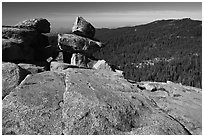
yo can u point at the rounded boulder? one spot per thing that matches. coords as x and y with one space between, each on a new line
83 28
41 25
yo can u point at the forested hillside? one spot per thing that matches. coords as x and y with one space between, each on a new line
159 51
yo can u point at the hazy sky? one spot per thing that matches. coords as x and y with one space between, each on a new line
105 14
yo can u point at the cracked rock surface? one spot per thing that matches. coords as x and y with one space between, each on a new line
184 103
12 75
35 107
79 101
83 28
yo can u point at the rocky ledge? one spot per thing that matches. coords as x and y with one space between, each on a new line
99 101
86 96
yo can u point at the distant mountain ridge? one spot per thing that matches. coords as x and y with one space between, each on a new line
180 39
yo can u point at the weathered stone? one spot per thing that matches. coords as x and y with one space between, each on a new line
17 44
29 36
83 28
76 44
12 75
100 103
81 48
79 60
59 66
91 101
25 34
25 44
147 86
60 58
102 64
35 108
64 57
35 67
120 72
183 103
41 25
15 50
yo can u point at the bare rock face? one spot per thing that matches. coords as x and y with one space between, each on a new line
147 86
90 102
25 44
81 48
100 103
183 103
30 36
25 34
73 43
103 65
59 66
64 57
15 49
83 28
79 60
40 25
12 75
34 68
35 107
17 44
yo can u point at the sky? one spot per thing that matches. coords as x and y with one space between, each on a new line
99 14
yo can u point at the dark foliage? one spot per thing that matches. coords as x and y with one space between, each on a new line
176 43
